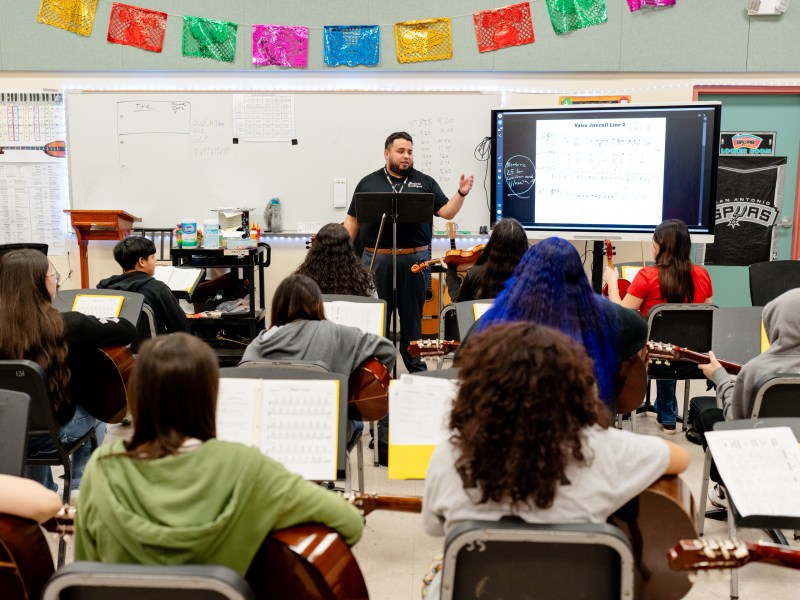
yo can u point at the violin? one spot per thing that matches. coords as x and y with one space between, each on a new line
456 258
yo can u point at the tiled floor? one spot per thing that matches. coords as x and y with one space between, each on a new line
394 552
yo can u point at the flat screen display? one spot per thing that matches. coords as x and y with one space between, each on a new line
606 171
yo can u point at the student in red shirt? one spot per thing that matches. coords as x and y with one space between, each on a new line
672 279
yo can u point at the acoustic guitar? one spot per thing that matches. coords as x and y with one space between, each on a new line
623 284
706 555
368 391
99 381
55 149
661 352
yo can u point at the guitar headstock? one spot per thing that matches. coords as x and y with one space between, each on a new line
701 555
609 250
364 502
422 348
63 523
659 352
451 227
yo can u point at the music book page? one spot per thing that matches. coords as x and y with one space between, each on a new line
295 422
420 407
760 468
480 308
100 306
366 316
182 279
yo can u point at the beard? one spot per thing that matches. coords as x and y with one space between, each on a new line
397 168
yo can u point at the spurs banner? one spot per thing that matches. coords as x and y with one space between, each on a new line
749 203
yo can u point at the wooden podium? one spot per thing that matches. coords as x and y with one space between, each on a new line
98 225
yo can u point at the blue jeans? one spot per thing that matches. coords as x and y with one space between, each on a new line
40 447
666 403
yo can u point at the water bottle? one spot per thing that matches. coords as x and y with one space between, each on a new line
275 223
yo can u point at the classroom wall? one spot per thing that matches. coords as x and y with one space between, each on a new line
692 36
532 89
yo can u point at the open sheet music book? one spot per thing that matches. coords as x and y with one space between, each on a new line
480 308
295 422
101 306
180 279
366 316
760 468
420 409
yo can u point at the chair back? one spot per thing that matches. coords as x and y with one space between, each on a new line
449 373
777 395
29 378
737 333
96 581
466 314
6 248
448 323
770 279
146 329
299 370
513 559
14 411
687 325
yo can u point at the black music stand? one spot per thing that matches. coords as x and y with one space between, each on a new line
373 207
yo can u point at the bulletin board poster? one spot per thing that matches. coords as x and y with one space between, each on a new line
747 143
33 169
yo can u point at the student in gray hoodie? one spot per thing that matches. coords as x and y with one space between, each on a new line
300 331
782 324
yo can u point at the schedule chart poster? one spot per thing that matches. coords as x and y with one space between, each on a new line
33 169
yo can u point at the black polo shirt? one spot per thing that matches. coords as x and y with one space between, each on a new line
409 235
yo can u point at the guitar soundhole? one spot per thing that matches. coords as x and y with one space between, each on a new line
428 295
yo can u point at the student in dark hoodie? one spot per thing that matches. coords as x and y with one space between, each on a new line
137 257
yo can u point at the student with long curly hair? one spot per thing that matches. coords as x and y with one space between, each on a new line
672 279
500 257
174 494
32 329
333 264
550 287
530 439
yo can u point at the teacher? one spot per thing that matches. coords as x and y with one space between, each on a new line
413 239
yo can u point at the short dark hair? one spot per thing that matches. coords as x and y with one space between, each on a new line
128 251
297 297
397 135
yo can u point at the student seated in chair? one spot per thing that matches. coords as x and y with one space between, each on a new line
529 438
32 329
137 257
174 494
781 319
300 331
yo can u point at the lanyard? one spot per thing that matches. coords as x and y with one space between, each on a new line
391 183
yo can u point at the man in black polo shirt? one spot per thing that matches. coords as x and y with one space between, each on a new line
413 239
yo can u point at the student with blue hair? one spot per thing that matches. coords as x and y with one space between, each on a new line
550 287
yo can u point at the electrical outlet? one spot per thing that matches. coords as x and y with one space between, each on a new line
340 192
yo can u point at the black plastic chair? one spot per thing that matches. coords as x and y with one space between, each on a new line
770 279
14 412
686 325
98 581
513 559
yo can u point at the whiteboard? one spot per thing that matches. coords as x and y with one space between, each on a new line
166 156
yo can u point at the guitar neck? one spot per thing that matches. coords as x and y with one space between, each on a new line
370 502
775 555
703 359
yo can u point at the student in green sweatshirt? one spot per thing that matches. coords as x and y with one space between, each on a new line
175 494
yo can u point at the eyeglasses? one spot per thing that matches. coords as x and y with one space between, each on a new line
55 274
